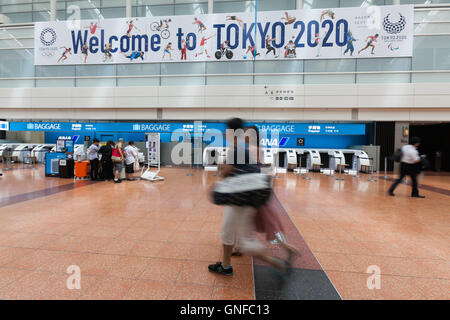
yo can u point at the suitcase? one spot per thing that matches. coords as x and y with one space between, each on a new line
66 168
81 169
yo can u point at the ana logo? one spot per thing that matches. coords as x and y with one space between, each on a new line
283 141
394 27
274 142
48 37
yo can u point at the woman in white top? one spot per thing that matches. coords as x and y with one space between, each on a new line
131 153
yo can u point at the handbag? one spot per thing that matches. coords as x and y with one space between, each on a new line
248 189
116 157
136 165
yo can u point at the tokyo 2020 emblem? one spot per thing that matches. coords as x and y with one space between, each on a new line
48 37
394 27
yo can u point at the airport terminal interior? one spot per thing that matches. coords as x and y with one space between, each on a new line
115 120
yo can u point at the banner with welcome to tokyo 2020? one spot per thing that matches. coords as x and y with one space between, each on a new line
374 31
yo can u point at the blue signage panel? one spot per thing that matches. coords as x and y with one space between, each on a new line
168 127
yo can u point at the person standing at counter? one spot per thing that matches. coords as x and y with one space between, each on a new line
92 153
106 162
118 156
131 153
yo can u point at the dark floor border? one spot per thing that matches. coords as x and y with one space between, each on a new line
445 192
305 281
18 198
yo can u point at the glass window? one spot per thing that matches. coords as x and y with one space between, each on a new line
431 53
111 13
16 33
332 65
360 3
427 28
329 78
55 71
17 63
432 15
149 11
391 2
113 3
16 83
282 66
384 64
182 81
84 4
384 78
319 4
287 79
230 67
225 6
272 5
431 77
108 82
45 83
229 80
19 17
138 69
16 43
95 70
137 82
14 1
41 15
16 8
191 8
183 68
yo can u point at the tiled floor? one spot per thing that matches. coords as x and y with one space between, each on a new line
352 224
142 240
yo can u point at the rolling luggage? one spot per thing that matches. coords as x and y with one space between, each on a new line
66 168
81 169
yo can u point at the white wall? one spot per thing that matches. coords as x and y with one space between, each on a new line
366 102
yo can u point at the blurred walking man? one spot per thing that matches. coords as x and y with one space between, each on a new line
410 165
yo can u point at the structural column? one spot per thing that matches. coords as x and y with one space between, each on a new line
210 6
129 11
299 4
52 10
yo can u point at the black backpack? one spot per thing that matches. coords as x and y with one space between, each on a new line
397 156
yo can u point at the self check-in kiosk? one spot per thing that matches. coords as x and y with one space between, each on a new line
360 160
291 159
213 156
337 159
22 153
313 160
268 156
38 153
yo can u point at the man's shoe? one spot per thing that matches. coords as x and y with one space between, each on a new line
418 196
391 193
218 268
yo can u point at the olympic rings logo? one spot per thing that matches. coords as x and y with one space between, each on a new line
44 37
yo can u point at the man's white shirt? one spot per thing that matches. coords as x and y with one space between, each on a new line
410 154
